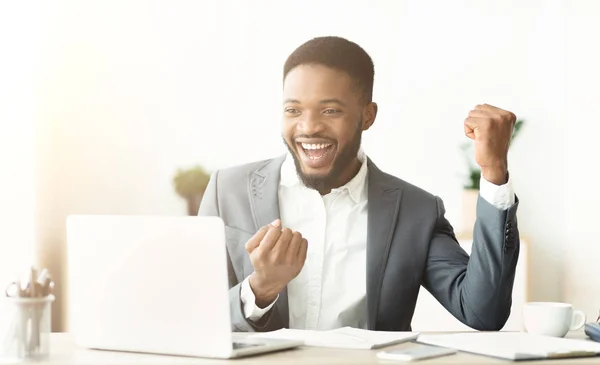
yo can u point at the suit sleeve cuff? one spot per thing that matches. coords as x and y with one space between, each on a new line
500 196
251 311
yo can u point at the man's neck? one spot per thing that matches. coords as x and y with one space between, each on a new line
345 177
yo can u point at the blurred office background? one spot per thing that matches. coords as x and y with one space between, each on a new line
102 102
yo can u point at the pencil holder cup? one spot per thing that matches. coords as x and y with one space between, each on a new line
29 330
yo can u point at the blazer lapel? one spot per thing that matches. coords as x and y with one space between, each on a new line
383 207
263 187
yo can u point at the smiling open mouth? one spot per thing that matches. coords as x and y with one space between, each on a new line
316 155
316 151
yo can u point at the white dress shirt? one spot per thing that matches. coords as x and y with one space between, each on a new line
330 291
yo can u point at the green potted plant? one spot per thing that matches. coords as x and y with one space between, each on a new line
472 183
190 184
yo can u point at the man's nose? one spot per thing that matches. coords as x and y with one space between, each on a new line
310 124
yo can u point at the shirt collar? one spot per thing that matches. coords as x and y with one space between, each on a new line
288 172
355 187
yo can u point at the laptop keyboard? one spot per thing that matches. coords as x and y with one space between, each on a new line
242 345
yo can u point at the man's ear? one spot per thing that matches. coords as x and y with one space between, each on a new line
369 116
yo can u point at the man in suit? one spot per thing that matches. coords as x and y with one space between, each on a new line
320 238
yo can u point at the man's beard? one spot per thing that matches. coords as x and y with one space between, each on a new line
341 162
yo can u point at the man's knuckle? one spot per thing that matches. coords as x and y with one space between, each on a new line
259 253
488 122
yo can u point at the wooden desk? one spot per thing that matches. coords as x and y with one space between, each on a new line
65 353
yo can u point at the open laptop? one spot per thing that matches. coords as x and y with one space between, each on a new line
153 284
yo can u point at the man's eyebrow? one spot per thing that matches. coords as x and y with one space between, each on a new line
324 101
332 101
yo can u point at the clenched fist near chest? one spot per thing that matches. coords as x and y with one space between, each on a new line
278 255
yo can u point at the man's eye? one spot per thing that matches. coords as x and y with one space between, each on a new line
331 111
291 111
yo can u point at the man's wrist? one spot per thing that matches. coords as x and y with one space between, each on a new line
264 293
253 312
496 175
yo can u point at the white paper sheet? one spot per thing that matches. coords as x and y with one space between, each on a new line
513 345
346 337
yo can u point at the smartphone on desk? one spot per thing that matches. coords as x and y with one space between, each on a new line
416 353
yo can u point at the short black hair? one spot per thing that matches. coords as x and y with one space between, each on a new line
337 53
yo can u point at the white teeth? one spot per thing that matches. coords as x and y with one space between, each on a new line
319 146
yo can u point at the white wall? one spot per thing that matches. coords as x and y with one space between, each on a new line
132 90
18 58
582 128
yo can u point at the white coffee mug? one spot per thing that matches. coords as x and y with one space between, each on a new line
551 318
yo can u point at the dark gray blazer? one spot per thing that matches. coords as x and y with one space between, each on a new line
409 244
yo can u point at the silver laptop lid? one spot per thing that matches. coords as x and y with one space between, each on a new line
149 284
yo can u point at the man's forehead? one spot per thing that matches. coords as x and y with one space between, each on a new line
310 81
316 72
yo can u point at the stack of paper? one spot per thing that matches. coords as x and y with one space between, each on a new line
514 345
345 338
